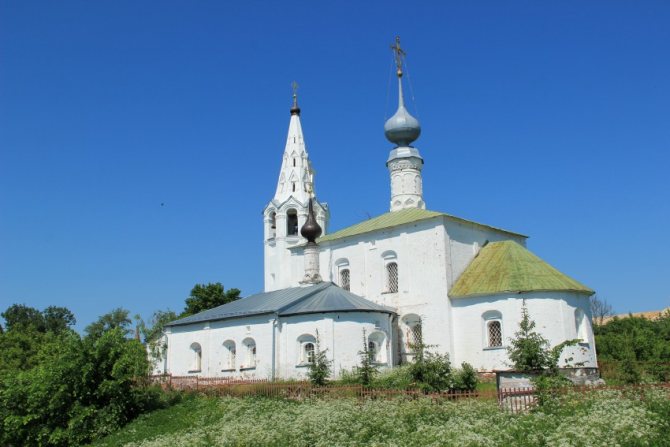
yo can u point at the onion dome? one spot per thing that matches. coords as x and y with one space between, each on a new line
311 230
402 128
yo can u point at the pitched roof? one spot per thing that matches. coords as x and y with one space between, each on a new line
506 266
394 219
322 297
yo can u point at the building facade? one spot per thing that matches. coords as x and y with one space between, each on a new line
408 275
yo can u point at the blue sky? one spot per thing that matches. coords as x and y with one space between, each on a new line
140 141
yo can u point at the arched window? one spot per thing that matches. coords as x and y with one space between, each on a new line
229 355
413 332
306 349
291 222
377 347
250 353
581 326
345 280
272 225
392 277
196 353
493 329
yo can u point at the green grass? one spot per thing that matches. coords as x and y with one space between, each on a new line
486 386
192 411
599 418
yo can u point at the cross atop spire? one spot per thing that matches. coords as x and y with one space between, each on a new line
398 53
295 110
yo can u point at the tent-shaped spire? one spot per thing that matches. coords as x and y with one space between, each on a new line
295 176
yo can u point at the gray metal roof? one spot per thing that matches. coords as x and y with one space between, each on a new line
319 298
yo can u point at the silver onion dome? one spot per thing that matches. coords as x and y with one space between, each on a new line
402 128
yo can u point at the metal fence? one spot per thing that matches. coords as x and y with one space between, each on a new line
514 400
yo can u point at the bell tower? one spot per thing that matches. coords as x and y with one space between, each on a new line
287 212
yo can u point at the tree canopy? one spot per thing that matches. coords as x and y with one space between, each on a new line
208 296
117 318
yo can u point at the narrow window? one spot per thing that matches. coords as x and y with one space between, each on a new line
272 231
308 352
291 222
196 352
230 352
372 350
392 277
345 282
250 347
494 329
294 158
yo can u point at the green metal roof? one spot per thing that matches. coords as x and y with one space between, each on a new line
506 266
394 219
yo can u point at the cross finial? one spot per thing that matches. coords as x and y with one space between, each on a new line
399 53
295 110
294 86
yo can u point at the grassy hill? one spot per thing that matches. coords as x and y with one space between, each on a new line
597 419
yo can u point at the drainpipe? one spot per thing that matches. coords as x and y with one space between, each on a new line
274 345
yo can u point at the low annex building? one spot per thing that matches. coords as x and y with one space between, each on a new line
410 274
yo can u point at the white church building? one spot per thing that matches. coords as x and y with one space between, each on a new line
389 281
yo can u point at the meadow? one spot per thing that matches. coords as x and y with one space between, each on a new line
599 418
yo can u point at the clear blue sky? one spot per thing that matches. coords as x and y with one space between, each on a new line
548 118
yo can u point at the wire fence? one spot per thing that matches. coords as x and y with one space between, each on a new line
514 400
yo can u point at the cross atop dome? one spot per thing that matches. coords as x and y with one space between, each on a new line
402 128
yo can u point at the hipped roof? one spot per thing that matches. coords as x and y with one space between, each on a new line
506 266
318 298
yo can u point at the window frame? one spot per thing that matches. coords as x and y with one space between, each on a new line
490 317
230 348
250 354
196 365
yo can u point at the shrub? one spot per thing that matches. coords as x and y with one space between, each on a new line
465 379
399 378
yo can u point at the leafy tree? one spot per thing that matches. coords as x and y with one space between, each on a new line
367 370
208 296
600 309
117 318
153 333
638 349
320 368
22 317
79 390
58 319
18 350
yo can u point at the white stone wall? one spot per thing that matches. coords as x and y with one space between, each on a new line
211 337
419 251
553 313
340 334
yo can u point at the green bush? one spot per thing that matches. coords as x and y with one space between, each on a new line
465 379
80 389
399 378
